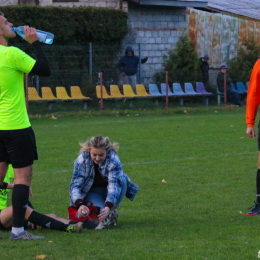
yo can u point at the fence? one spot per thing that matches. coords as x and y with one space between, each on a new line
76 77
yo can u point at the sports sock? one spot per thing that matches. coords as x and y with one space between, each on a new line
42 220
73 222
20 202
17 231
258 186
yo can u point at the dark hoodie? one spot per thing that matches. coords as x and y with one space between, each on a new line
204 66
129 64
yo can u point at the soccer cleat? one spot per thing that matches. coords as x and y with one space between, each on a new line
110 220
254 210
75 228
25 236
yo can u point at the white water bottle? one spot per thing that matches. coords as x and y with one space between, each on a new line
44 37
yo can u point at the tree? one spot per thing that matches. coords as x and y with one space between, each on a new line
182 64
240 67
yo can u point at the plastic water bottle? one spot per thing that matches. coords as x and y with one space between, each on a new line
44 37
84 212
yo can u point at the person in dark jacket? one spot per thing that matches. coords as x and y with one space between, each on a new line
229 90
204 66
128 65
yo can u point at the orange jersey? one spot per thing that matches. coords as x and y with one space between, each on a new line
253 95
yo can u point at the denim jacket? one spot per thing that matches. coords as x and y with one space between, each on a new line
110 169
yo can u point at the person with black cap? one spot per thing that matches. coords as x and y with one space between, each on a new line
204 66
128 65
229 90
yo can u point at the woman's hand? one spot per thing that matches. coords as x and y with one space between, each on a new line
83 209
104 214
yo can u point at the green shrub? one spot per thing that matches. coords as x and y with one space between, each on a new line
182 64
240 67
72 26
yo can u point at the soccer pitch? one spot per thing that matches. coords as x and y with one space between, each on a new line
199 212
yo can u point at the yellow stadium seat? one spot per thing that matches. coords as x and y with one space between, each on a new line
128 91
76 93
140 91
33 94
47 94
62 93
105 94
114 92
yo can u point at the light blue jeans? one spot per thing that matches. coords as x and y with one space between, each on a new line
98 195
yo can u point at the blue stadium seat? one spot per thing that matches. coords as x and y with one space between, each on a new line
189 89
241 88
163 90
232 86
247 84
177 90
153 90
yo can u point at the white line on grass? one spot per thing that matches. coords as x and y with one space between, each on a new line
169 161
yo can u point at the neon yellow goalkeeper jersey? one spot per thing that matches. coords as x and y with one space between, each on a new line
13 64
9 178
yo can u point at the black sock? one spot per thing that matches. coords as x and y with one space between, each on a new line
42 220
19 201
73 222
258 186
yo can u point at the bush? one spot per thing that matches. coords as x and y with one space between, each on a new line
72 26
241 66
181 63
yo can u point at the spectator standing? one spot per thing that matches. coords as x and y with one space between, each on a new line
204 66
128 65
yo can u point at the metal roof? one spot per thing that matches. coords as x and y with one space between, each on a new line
177 3
248 8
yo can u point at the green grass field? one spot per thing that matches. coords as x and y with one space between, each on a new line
209 166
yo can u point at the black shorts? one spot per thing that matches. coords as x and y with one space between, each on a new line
18 147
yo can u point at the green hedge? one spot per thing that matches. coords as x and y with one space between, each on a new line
72 26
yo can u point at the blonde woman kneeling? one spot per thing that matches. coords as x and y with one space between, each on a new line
98 177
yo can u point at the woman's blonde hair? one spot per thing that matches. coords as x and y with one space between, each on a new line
99 142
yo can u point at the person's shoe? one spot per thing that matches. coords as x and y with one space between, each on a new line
25 236
114 217
75 228
1 237
110 220
254 210
90 224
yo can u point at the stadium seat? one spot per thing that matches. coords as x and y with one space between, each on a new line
33 94
62 93
47 94
241 88
163 90
201 89
232 86
153 90
128 91
189 89
115 92
105 94
247 84
76 93
140 91
177 90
